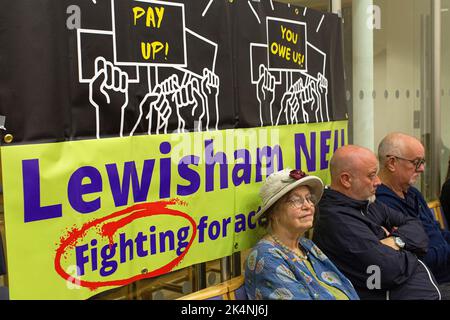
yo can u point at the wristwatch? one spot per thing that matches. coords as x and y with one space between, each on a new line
399 242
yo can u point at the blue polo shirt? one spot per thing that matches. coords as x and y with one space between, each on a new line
414 205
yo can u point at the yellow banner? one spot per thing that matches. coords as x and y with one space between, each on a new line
86 216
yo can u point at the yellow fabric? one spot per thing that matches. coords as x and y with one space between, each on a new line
338 294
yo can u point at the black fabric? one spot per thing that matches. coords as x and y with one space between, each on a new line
414 205
44 101
445 200
444 288
349 233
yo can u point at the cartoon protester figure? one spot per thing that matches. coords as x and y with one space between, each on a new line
265 95
108 93
189 104
315 98
210 91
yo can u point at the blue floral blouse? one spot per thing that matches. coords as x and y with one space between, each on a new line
272 273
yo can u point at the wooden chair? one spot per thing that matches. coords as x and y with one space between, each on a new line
237 289
216 292
436 209
232 289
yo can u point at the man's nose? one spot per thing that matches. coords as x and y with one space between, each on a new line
377 181
421 168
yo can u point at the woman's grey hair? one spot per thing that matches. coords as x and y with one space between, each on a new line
265 219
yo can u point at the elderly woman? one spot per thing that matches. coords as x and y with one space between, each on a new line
284 264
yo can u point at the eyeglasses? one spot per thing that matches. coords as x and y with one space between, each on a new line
298 202
417 162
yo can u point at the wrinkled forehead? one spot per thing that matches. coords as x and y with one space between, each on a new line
300 191
413 150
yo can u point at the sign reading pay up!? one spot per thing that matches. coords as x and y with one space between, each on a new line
154 32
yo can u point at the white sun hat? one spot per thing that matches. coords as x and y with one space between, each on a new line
280 183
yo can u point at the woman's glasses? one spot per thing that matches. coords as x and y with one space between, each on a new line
298 202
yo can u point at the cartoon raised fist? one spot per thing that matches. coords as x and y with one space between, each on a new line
190 104
210 84
296 101
163 111
154 108
323 84
323 92
108 93
309 102
265 94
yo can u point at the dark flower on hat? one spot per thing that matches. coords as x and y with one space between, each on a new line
297 174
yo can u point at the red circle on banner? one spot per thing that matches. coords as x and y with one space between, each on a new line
108 229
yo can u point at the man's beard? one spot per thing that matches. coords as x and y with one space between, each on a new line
413 181
372 198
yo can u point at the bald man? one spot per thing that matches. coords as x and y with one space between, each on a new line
402 161
374 246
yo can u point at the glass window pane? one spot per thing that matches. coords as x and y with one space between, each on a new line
388 47
445 82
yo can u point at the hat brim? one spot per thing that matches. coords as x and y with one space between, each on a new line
314 183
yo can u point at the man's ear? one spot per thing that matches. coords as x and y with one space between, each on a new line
390 164
346 180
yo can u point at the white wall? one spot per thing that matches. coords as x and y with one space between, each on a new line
398 59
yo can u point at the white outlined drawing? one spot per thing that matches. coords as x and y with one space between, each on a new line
2 122
254 12
307 95
109 86
216 49
304 96
190 99
305 68
255 76
158 107
190 94
265 93
128 63
305 100
320 23
309 46
323 87
209 87
210 91
207 8
81 77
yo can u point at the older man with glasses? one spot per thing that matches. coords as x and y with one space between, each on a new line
402 160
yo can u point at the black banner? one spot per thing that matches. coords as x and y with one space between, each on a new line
83 69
